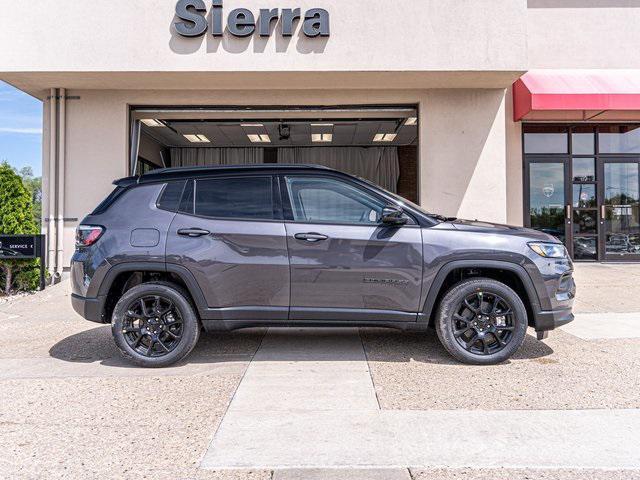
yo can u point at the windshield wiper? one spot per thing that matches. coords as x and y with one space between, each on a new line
442 218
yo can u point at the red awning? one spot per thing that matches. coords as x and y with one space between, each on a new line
566 95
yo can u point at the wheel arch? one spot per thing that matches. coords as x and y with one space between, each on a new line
123 276
511 274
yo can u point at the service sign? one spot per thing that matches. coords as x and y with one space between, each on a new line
18 246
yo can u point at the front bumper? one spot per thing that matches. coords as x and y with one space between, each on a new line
89 308
553 319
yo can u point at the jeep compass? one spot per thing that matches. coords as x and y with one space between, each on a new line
178 250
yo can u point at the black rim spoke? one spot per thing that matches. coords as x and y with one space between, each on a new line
483 323
462 331
152 326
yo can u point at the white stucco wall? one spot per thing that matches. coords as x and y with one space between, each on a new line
583 34
366 35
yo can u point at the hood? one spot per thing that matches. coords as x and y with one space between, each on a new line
499 229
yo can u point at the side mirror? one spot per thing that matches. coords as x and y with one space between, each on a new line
393 215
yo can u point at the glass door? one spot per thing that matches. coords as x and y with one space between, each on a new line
620 208
547 186
584 209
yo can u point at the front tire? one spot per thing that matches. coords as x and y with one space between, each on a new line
155 325
481 321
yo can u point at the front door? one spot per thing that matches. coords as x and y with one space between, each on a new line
620 208
346 265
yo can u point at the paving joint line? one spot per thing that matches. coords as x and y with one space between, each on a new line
235 391
366 359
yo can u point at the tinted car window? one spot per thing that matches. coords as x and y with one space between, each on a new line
332 201
186 204
170 196
249 197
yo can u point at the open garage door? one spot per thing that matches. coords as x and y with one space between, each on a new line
379 144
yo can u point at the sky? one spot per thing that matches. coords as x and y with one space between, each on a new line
20 129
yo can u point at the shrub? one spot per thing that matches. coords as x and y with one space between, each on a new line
16 218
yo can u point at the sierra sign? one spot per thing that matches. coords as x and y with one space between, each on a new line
242 23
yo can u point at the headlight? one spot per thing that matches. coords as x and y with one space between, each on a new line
549 250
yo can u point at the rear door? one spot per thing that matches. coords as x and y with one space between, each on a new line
346 265
230 235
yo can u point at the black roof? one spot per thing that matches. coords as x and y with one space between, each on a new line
176 173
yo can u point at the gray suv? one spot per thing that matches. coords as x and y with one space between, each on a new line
177 250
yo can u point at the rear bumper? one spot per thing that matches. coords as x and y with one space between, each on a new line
88 308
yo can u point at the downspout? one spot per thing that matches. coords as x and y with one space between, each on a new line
62 132
51 177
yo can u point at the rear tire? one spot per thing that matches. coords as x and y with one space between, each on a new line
155 325
481 321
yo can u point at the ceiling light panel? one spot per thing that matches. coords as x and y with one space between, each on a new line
152 122
259 138
196 138
322 137
411 121
385 137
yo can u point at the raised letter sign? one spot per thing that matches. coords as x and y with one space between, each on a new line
193 17
316 22
288 17
241 22
266 17
216 19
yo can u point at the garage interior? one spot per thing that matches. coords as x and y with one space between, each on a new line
379 144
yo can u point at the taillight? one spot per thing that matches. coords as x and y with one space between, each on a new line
87 235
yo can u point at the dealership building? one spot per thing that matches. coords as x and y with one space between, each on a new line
524 112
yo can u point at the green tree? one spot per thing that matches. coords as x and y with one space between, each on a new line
16 217
34 185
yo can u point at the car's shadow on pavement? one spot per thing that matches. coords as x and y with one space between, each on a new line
387 345
380 345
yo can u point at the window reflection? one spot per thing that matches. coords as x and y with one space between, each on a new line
619 139
584 195
584 169
545 139
546 198
585 248
583 141
622 208
585 221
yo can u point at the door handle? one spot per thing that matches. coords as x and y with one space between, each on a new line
311 236
193 232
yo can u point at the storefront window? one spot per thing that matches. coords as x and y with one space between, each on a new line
584 195
546 198
583 141
545 139
584 169
619 139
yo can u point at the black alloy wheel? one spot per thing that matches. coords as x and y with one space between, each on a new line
152 326
483 323
155 324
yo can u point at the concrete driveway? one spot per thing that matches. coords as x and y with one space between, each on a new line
293 404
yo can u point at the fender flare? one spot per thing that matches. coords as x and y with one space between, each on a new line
182 272
519 270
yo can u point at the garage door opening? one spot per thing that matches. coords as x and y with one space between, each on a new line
378 144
